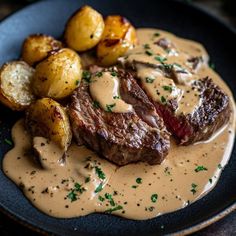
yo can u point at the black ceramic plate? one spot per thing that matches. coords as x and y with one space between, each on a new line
49 17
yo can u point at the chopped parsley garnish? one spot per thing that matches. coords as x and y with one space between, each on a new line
156 34
193 190
219 166
86 76
134 186
99 188
100 198
73 193
139 180
154 197
210 180
119 207
200 168
149 80
146 46
96 104
98 74
160 59
109 107
9 142
113 73
148 53
77 82
212 65
163 99
72 196
167 88
116 97
87 179
99 172
109 197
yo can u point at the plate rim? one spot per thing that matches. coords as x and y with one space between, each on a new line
188 230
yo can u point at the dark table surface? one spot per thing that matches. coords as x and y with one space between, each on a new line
226 226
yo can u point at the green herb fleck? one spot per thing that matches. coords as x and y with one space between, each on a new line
146 46
163 100
86 76
149 53
212 65
116 97
134 186
79 188
154 197
96 104
160 59
87 179
200 168
167 88
99 188
109 197
156 34
114 209
72 196
98 74
139 180
109 107
9 142
99 172
149 80
210 180
113 73
193 190
77 82
100 198
220 166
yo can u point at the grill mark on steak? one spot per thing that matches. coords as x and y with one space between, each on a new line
122 138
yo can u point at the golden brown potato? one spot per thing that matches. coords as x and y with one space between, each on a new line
84 29
47 118
58 75
118 36
37 47
15 85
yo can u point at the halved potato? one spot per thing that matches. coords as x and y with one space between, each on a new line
118 36
58 75
15 85
37 47
47 118
84 29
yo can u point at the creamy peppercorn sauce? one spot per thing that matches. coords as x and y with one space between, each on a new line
85 183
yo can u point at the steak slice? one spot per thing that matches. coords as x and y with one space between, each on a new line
213 113
122 138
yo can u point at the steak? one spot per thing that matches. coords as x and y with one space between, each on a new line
123 138
213 113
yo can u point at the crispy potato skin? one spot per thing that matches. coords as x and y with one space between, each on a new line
47 118
118 36
15 85
58 75
84 29
37 47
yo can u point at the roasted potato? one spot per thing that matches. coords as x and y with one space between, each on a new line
47 118
84 29
118 36
37 47
58 75
15 85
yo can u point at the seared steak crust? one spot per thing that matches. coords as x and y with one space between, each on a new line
120 137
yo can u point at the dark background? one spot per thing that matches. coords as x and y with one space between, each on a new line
224 9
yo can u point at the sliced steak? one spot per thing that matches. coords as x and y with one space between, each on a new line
122 138
211 115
